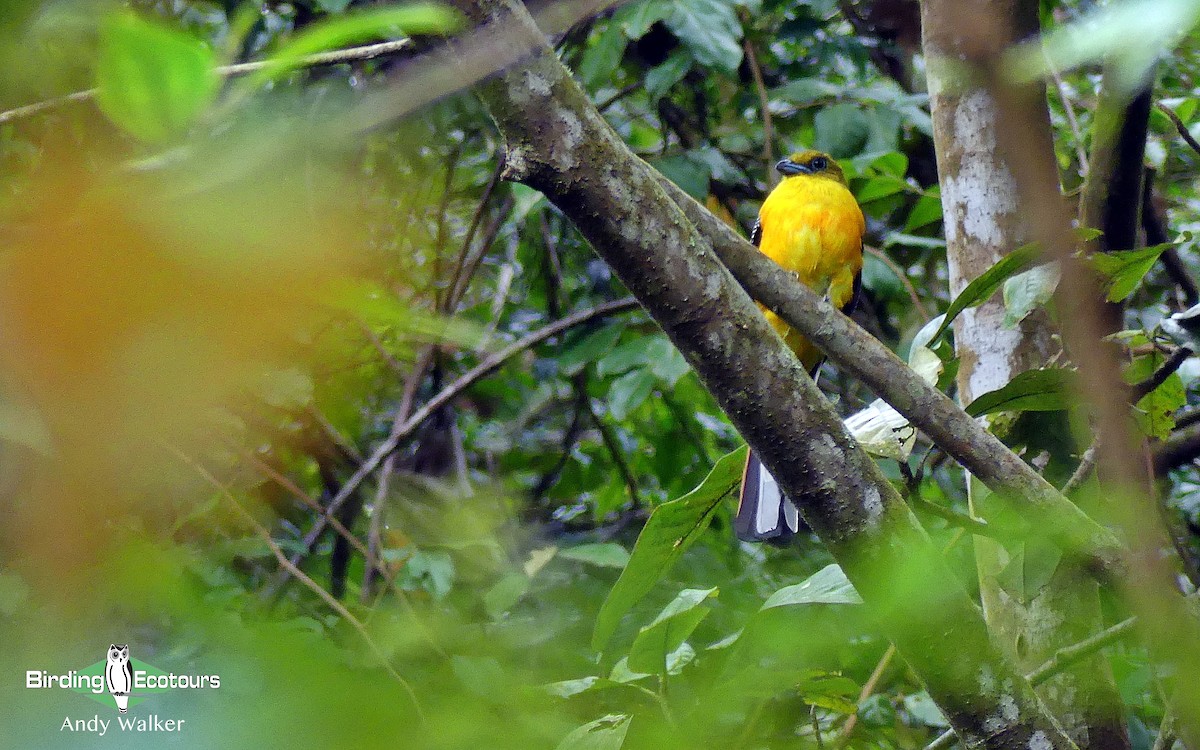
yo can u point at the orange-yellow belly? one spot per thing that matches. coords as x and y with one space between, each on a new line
813 227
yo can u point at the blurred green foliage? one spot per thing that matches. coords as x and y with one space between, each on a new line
219 300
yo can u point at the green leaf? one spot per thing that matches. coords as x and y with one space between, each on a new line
829 690
828 585
922 708
605 555
153 80
640 352
629 391
504 594
670 530
589 349
1125 269
1155 412
926 211
670 367
842 130
378 23
637 18
603 55
710 30
569 688
1033 390
661 78
669 630
688 173
607 733
982 288
1028 291
431 571
879 187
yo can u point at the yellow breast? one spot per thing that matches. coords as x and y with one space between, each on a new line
813 227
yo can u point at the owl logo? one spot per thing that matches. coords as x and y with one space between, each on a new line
119 676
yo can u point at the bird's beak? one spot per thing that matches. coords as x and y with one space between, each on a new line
787 168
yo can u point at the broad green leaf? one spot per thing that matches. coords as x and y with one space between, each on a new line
568 688
670 367
828 585
1028 291
607 733
922 708
1155 412
689 174
153 80
926 211
829 690
504 594
983 287
637 18
640 352
603 55
806 91
622 674
589 349
629 391
669 630
661 78
710 30
356 28
432 571
670 530
842 130
1125 269
880 187
605 555
1033 390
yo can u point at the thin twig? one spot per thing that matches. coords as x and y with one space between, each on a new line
312 585
867 690
764 103
1184 133
1069 109
816 727
333 57
1086 464
900 274
614 450
1159 376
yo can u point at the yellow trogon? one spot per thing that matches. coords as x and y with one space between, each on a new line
810 225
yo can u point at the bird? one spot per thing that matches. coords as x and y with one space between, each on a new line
811 225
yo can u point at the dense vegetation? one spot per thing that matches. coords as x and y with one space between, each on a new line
297 390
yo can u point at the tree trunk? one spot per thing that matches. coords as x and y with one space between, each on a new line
983 222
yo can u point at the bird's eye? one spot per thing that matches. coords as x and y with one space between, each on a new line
819 163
